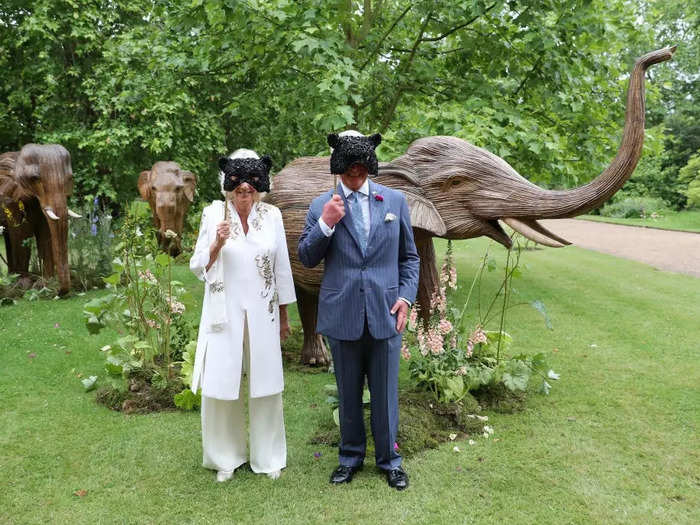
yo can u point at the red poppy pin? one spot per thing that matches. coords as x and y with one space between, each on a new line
378 197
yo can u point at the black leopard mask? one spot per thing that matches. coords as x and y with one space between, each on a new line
351 150
255 172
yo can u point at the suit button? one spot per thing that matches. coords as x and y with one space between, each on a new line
362 290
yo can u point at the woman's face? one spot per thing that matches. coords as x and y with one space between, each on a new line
244 196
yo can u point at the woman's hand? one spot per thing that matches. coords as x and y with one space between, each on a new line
285 329
223 230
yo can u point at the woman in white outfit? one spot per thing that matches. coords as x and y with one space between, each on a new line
241 254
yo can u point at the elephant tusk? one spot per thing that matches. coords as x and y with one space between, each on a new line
51 214
74 215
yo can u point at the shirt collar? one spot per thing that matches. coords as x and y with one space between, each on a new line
364 189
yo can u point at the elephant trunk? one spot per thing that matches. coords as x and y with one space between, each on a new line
58 249
170 218
569 203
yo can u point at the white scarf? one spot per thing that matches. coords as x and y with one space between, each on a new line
215 283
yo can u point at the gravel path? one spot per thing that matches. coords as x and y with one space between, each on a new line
663 249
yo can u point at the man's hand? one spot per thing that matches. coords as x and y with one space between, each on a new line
333 211
400 308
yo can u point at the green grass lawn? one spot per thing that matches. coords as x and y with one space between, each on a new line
686 220
615 442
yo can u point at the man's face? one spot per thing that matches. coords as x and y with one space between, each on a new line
355 177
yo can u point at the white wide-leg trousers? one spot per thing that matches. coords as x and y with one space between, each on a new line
224 434
224 429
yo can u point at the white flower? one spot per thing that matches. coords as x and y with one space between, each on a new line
471 416
488 429
482 418
472 442
552 375
452 437
105 348
456 449
486 434
139 233
169 234
2 230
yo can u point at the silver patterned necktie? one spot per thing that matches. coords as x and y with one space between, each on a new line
358 219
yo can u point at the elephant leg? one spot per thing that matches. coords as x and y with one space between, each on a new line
428 274
18 254
313 352
40 229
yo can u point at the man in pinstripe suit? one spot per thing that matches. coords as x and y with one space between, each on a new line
363 234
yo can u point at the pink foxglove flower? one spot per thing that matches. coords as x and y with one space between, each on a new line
405 352
435 341
413 316
445 326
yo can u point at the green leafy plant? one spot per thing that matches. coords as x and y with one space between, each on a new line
145 303
450 357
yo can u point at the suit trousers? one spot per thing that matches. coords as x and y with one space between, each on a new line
224 429
378 360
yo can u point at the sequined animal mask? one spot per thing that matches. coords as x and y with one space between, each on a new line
255 172
354 150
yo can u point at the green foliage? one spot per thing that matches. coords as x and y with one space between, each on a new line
145 302
450 361
690 175
123 84
634 207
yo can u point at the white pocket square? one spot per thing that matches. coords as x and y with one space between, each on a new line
389 217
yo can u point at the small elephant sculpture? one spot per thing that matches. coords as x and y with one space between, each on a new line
169 191
35 183
456 190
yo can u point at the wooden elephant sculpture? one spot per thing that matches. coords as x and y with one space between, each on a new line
169 191
35 183
456 190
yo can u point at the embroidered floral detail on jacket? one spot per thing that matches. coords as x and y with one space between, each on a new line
260 212
216 287
264 264
234 228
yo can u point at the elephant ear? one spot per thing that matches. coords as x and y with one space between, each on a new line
145 185
189 179
9 185
424 215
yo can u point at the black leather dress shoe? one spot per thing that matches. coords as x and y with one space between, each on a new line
397 478
344 474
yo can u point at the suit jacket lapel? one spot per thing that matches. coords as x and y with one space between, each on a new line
348 221
376 207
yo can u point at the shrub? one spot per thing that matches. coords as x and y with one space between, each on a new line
145 304
690 175
634 207
451 359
